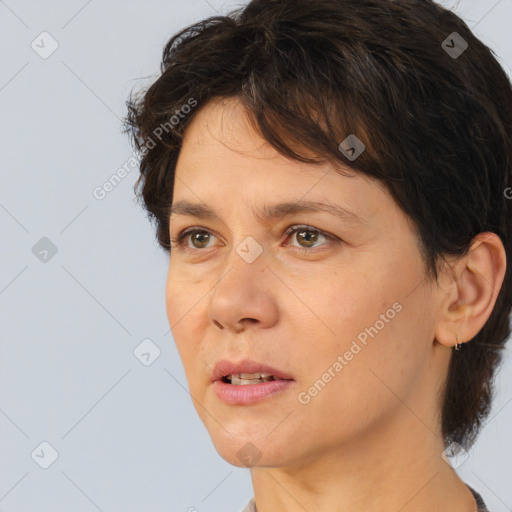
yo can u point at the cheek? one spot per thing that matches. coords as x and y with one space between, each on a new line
175 299
358 391
183 298
183 307
375 343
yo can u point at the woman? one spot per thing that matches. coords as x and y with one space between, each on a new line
330 179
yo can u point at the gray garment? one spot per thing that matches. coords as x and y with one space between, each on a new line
479 501
251 506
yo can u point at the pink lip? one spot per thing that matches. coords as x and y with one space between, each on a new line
225 367
245 395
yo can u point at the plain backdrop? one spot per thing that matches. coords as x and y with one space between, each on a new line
85 424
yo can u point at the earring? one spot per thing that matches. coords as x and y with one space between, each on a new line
458 345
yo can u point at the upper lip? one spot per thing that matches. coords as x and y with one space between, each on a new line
225 367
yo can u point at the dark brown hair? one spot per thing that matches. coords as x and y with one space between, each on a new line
437 127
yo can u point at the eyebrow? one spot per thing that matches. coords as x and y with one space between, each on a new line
270 211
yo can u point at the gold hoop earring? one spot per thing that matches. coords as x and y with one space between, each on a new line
458 345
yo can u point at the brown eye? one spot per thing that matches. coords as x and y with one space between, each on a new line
307 237
200 238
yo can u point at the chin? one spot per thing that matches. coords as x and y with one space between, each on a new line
245 451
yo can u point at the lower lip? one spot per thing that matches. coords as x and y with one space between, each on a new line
249 393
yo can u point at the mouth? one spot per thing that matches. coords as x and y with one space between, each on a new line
248 382
247 372
244 379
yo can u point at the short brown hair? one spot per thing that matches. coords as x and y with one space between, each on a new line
437 129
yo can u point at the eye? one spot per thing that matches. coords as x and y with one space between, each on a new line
306 236
200 235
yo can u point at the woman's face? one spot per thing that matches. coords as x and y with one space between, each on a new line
340 305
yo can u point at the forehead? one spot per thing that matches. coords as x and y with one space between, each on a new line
224 160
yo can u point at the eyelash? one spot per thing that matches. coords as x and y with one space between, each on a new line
179 243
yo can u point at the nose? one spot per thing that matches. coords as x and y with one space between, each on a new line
245 294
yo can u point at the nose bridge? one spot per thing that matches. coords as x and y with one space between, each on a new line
248 238
243 291
250 250
246 260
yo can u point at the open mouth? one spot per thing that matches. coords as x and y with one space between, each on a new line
244 379
248 382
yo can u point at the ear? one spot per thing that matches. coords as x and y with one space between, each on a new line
470 289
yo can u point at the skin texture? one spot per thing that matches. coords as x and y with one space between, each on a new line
370 439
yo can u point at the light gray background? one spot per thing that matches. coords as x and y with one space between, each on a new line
127 435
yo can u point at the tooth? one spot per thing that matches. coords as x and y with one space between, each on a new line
242 382
248 382
235 379
243 379
258 375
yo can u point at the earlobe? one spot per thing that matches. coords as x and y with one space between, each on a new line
475 282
